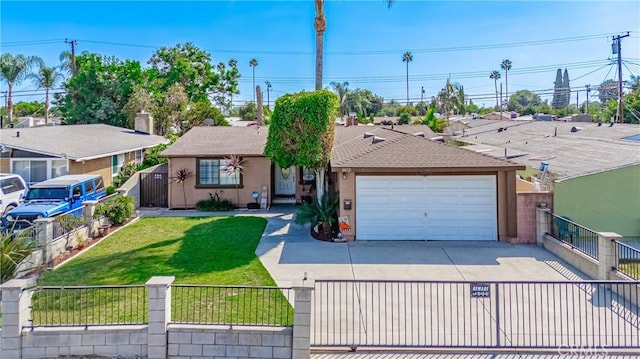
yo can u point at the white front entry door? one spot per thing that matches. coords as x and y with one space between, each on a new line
285 184
426 208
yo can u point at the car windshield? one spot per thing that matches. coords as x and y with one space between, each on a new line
47 193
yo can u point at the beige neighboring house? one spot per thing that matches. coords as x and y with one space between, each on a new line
41 153
394 184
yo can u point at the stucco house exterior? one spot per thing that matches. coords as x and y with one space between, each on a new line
394 183
41 153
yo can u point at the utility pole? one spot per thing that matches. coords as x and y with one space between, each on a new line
421 94
617 48
588 90
577 103
73 44
268 83
501 104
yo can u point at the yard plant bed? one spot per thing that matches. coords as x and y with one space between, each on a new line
197 251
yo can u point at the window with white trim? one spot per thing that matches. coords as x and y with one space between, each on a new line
35 170
213 172
117 161
139 156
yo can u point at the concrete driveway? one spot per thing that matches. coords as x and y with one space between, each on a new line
288 252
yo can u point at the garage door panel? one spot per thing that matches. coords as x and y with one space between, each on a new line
431 207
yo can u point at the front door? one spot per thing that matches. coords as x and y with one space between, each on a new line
285 185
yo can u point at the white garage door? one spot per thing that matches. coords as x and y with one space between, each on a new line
426 208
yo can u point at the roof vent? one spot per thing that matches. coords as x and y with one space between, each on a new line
376 139
368 134
419 134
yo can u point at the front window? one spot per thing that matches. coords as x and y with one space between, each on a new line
213 172
59 168
48 193
139 156
38 170
117 161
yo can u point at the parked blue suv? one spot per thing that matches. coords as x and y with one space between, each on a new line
54 197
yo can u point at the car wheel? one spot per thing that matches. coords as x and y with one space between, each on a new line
8 209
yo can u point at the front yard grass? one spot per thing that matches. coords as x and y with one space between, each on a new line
197 251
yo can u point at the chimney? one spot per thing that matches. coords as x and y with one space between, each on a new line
144 123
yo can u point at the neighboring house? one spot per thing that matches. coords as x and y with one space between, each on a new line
595 169
394 184
41 153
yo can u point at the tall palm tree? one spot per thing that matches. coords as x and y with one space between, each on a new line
449 99
253 63
320 25
495 76
342 91
46 78
14 69
407 57
506 66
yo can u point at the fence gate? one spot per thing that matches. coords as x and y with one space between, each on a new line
154 190
589 315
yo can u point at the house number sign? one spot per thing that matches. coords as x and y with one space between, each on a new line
480 290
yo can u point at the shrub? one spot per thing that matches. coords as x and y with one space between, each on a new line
322 213
125 173
214 204
110 190
405 118
117 209
13 249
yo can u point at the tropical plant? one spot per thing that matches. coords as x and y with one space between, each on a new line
235 167
13 249
495 76
449 99
302 132
117 209
342 90
435 123
46 78
182 176
404 119
13 70
407 57
506 66
320 212
254 63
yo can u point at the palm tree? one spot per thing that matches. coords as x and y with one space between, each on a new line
66 62
506 66
320 25
495 76
235 167
253 63
448 99
14 69
46 78
407 57
342 91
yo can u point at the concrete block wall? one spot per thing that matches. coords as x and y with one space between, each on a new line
526 217
582 262
198 341
113 341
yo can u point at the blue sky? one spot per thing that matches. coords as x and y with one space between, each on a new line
364 41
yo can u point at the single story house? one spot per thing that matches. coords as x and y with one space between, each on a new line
394 184
41 153
595 169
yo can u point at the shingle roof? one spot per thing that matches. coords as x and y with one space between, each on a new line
393 149
219 141
78 142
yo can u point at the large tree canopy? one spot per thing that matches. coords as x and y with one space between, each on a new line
302 131
524 102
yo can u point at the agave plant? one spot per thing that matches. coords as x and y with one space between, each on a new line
321 212
182 176
13 249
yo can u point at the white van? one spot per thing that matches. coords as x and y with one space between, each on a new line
12 189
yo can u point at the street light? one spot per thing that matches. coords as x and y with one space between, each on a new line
268 90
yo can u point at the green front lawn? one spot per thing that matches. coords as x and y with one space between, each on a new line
200 251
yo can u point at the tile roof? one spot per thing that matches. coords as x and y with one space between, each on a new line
78 142
219 141
592 149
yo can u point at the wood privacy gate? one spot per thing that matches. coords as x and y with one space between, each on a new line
589 315
154 189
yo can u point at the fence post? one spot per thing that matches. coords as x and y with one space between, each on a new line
159 315
44 238
542 224
607 256
87 213
16 301
302 319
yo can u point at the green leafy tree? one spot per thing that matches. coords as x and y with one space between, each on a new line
100 90
342 89
197 113
506 66
26 109
407 57
435 123
524 102
608 90
302 132
405 118
248 112
140 100
495 76
558 92
566 87
13 70
634 82
227 86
